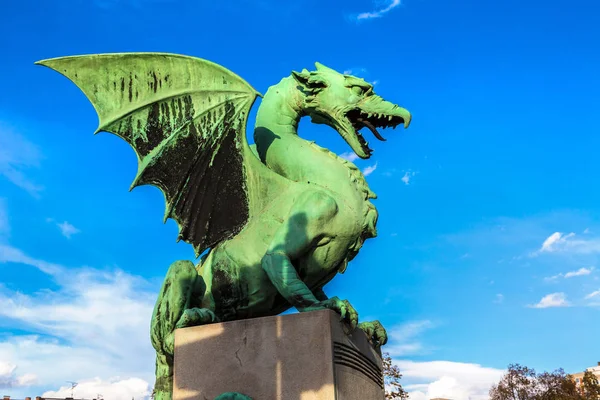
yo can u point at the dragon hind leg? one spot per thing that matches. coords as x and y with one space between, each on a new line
182 288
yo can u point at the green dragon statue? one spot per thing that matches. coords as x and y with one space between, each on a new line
280 218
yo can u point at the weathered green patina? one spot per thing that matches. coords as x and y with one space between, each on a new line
280 218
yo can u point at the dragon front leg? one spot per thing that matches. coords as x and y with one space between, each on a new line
304 229
182 287
373 329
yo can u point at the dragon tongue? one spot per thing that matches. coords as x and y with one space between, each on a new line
369 125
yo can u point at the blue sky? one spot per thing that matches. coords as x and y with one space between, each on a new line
489 232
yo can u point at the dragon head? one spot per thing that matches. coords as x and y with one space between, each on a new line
348 104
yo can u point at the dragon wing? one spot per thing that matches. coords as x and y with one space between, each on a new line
185 118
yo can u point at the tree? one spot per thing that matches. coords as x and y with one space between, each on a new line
590 386
517 384
556 386
522 383
392 375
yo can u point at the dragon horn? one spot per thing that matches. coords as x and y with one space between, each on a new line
322 68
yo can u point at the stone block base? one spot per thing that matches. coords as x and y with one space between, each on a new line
305 356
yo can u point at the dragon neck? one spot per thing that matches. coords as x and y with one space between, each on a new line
281 149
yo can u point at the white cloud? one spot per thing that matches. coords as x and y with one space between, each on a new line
569 243
67 229
9 378
350 156
27 380
369 170
115 388
356 70
96 323
6 374
553 241
9 254
499 298
447 379
379 13
553 277
579 272
407 176
17 155
552 300
571 274
505 237
403 338
593 299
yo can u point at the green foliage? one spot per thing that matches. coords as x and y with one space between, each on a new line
591 386
392 375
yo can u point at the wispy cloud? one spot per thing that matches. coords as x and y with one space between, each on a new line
559 242
407 177
554 241
93 315
355 70
593 299
18 155
405 340
571 274
552 300
593 295
67 229
380 12
579 272
528 241
350 156
369 170
361 73
499 298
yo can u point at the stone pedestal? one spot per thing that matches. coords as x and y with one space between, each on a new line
305 356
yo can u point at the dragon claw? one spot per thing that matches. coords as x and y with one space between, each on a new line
375 332
344 308
196 316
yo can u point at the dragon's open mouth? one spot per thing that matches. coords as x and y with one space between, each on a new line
361 119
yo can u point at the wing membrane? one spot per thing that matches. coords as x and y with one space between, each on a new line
186 120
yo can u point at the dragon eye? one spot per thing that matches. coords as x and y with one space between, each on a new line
357 90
